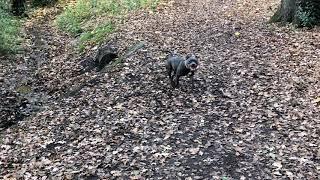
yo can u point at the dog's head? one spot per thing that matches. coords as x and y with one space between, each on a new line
191 62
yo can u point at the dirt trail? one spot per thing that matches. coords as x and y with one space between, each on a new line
252 114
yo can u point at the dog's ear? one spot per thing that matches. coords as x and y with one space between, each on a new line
189 56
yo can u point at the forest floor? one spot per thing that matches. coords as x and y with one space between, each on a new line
253 114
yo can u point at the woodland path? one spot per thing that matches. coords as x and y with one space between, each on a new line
252 115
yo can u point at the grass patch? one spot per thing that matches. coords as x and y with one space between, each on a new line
92 19
9 33
95 36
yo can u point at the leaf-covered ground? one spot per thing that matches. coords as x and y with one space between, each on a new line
253 114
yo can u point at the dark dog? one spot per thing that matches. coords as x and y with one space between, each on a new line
178 66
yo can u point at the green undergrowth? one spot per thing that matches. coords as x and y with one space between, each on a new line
93 20
9 31
95 36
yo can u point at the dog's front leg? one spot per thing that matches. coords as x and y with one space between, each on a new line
192 79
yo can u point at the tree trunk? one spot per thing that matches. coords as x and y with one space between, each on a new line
298 12
18 7
285 12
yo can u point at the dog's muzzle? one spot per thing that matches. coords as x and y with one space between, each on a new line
193 67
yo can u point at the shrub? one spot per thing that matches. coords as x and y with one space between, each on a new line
43 2
10 28
308 13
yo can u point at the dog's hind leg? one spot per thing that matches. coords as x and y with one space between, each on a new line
169 71
175 81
